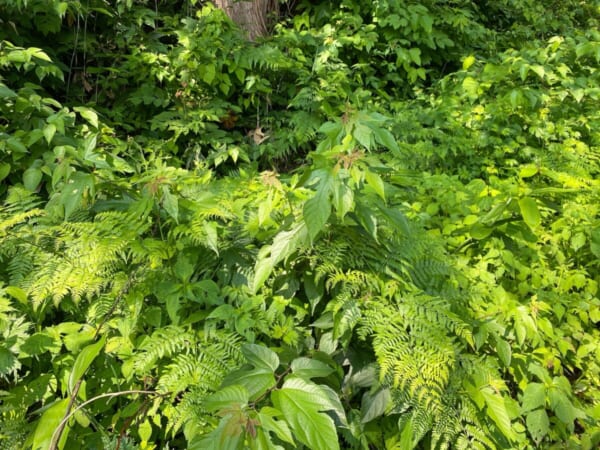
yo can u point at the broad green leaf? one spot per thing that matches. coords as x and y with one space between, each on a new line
4 170
84 360
280 428
386 139
284 245
256 382
496 410
468 62
318 208
376 183
39 343
534 396
226 397
211 240
310 368
88 114
145 430
209 73
261 357
529 211
49 132
375 405
48 423
32 178
6 92
364 135
562 406
302 404
170 203
479 231
18 293
504 351
79 187
529 170
16 145
538 424
471 87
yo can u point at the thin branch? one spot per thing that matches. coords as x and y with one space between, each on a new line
57 433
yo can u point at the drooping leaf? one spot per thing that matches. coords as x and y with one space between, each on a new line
302 404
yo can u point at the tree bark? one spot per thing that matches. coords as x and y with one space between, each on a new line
251 16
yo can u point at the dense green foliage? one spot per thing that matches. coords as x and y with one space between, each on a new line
377 228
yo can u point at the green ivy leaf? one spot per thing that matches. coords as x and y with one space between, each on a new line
301 403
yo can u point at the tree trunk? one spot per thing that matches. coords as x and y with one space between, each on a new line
251 16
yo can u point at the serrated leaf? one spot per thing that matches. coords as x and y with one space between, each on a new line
310 368
562 406
301 403
534 396
538 424
226 397
261 357
317 209
84 360
496 410
529 211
